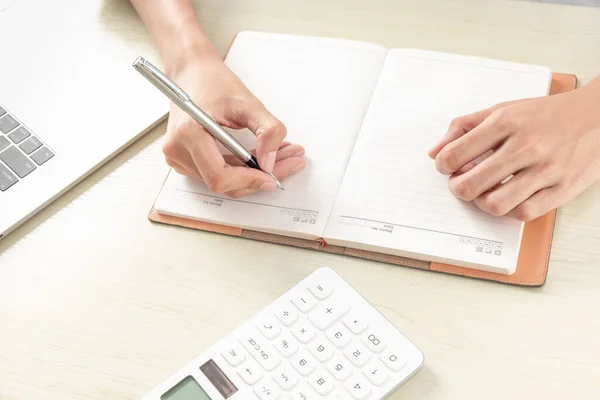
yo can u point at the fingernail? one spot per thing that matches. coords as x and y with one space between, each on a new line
297 168
270 161
268 186
299 153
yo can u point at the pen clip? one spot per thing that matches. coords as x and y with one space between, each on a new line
160 80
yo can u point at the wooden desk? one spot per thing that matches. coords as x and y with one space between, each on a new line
126 302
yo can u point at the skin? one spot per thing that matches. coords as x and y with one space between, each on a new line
548 148
549 145
192 62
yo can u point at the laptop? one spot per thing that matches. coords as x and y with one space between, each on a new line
70 100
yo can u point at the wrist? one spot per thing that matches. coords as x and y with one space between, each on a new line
188 44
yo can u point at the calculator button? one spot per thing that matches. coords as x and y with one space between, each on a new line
304 331
286 313
393 360
339 335
286 344
373 341
285 376
376 372
358 387
260 349
234 354
326 313
320 290
303 362
357 353
267 390
340 368
321 349
304 393
269 327
321 382
250 372
304 301
355 323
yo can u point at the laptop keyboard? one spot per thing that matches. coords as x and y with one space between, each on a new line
21 152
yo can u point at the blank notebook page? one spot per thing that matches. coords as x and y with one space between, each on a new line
392 196
320 89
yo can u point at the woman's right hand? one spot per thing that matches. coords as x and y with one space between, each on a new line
192 151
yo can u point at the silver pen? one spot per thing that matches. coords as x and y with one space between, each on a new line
183 101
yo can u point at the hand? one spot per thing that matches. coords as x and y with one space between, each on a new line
549 147
190 150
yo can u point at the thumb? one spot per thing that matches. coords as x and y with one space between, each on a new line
270 133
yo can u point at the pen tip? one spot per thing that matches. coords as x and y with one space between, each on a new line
276 181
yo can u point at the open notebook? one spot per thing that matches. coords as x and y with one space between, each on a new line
366 116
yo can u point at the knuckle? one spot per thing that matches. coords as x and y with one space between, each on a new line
215 182
462 189
236 194
503 119
524 212
275 129
448 160
534 150
550 171
170 149
170 162
457 123
494 206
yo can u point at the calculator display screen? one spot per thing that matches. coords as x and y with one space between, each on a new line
187 389
218 378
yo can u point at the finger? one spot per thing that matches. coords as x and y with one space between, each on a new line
461 125
177 157
484 176
539 204
476 143
282 170
283 153
219 176
269 132
180 169
458 127
507 196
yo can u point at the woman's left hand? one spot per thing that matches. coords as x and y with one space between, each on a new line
549 145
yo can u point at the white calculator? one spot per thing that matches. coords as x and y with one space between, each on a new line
320 340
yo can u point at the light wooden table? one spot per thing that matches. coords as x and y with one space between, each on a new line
98 303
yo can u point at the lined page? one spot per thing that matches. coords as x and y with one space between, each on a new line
392 197
320 89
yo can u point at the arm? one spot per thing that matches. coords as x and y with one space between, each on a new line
193 63
174 28
549 145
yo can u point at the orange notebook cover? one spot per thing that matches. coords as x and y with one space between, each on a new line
532 264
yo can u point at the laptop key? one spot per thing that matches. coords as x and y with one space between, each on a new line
7 179
3 143
42 155
16 161
30 145
2 111
19 134
8 123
